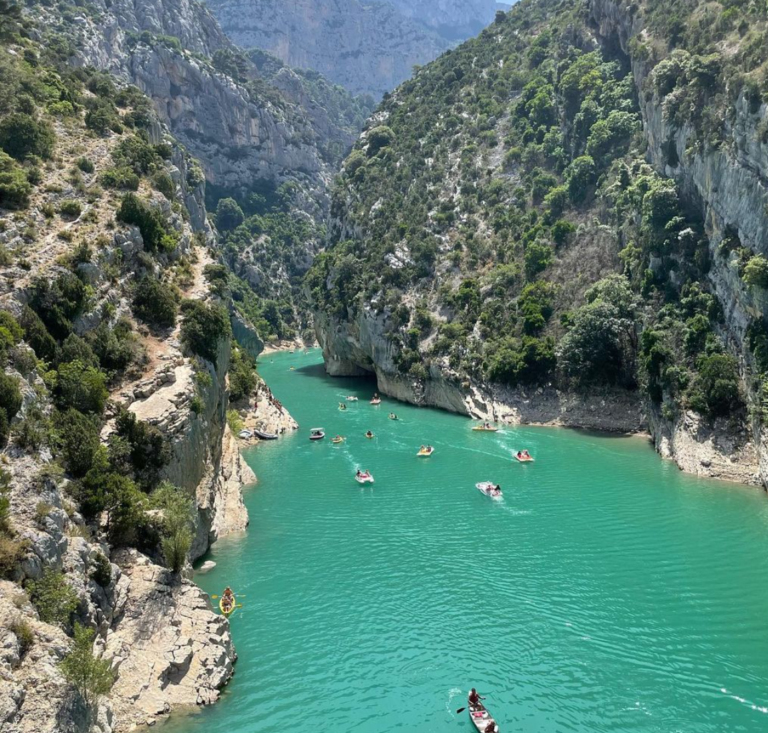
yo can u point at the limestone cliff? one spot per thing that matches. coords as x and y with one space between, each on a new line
369 48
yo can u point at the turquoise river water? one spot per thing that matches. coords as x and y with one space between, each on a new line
606 592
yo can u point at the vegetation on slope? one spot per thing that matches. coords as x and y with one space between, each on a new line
507 223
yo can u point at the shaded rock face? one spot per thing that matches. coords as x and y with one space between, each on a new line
367 48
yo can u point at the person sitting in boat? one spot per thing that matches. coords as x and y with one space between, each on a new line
496 491
474 698
227 599
520 454
392 416
342 406
360 474
429 449
369 434
491 727
526 454
422 449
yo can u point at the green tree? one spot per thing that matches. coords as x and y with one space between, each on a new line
715 390
156 303
538 257
178 511
82 387
229 215
580 176
756 272
79 440
15 187
204 326
54 599
22 135
89 675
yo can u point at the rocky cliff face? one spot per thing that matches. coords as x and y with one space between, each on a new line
241 127
457 19
430 285
367 48
727 181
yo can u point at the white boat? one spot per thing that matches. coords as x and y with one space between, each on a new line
364 477
375 401
245 434
426 452
316 434
522 457
482 719
489 489
351 398
264 435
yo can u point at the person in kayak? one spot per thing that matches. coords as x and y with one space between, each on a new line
369 434
474 698
227 599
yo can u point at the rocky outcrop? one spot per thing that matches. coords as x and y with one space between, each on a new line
168 646
366 47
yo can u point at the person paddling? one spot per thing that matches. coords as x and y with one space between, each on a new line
474 698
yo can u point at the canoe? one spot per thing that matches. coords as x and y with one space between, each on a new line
481 718
486 487
316 434
426 453
483 429
364 479
261 435
231 610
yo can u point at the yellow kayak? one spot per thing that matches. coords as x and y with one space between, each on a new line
231 610
338 440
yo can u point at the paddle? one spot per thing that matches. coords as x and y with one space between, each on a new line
461 710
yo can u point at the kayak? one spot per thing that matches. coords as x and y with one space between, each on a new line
522 459
487 488
265 436
366 478
232 608
481 718
337 440
351 399
425 452
316 434
483 429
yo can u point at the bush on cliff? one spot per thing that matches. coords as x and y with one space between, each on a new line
204 326
156 303
178 510
54 599
89 675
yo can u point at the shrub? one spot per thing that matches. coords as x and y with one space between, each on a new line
178 516
85 165
203 328
562 231
234 421
715 390
10 397
22 135
164 183
81 387
75 348
79 441
580 176
378 138
58 302
90 676
756 272
12 552
229 215
537 258
242 375
70 208
150 222
54 598
155 303
37 336
121 178
101 572
15 187
24 634
139 449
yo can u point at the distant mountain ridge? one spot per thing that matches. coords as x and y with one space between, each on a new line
367 47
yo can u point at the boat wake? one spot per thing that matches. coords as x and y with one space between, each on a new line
452 693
